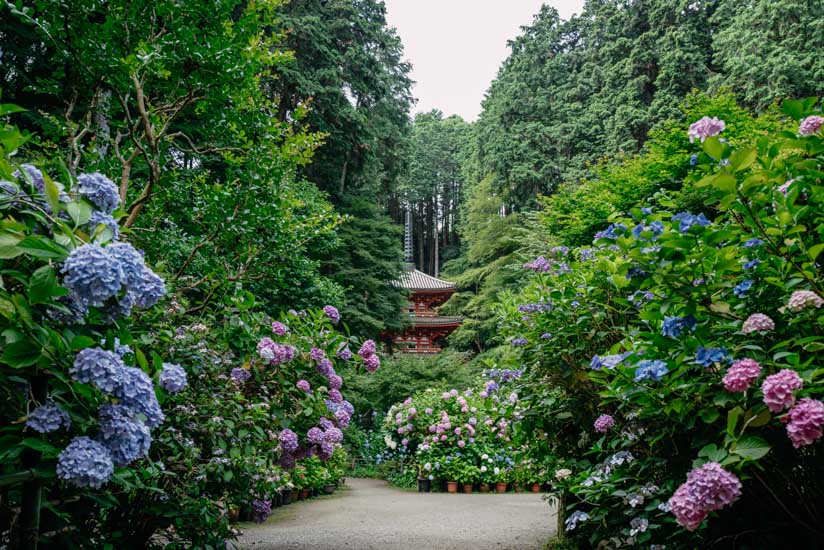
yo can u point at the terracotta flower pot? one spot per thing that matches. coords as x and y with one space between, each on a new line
500 487
484 488
467 488
234 514
451 486
535 488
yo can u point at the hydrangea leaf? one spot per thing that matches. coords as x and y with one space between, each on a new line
752 447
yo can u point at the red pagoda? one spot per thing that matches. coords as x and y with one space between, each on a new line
426 330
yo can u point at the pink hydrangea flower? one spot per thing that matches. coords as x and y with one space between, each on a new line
413 411
785 187
741 375
805 422
428 411
461 444
778 389
810 125
704 128
757 322
443 437
709 487
802 299
603 423
404 442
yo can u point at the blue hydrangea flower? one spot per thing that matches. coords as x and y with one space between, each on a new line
753 243
10 189
32 175
740 290
102 218
100 367
636 272
93 274
612 232
708 356
48 418
100 191
608 361
145 287
575 304
646 211
559 251
73 310
651 370
686 221
85 463
752 264
546 336
586 254
656 228
640 297
150 289
693 159
173 378
675 326
520 342
138 395
126 437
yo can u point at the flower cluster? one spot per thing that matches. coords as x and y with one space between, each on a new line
261 510
705 127
805 422
97 275
802 299
707 488
124 436
603 423
240 375
650 370
757 322
675 326
332 313
173 378
778 389
100 191
709 356
85 463
741 375
274 353
48 418
810 125
686 221
370 359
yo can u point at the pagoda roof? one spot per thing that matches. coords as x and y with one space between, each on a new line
435 320
418 280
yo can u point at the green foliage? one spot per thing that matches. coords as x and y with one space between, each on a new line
610 307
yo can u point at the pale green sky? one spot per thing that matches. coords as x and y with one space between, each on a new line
456 46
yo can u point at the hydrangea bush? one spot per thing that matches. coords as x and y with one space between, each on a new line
78 405
690 342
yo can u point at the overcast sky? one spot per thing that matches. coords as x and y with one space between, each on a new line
456 46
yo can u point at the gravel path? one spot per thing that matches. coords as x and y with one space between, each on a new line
367 514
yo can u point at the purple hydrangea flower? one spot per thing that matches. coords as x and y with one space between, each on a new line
32 174
757 322
48 418
342 417
325 368
240 375
810 125
325 423
335 396
335 382
288 440
92 274
372 363
126 437
802 299
520 342
707 488
705 127
805 422
303 385
100 191
778 389
603 423
344 353
85 463
546 336
104 369
741 375
368 348
279 328
274 353
317 354
138 395
332 313
539 264
261 510
173 378
333 435
315 436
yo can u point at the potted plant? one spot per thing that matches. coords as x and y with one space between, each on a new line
484 475
501 475
467 474
425 477
450 470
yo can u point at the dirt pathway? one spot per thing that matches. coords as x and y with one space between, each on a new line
367 514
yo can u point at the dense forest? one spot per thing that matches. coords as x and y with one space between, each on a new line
203 209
